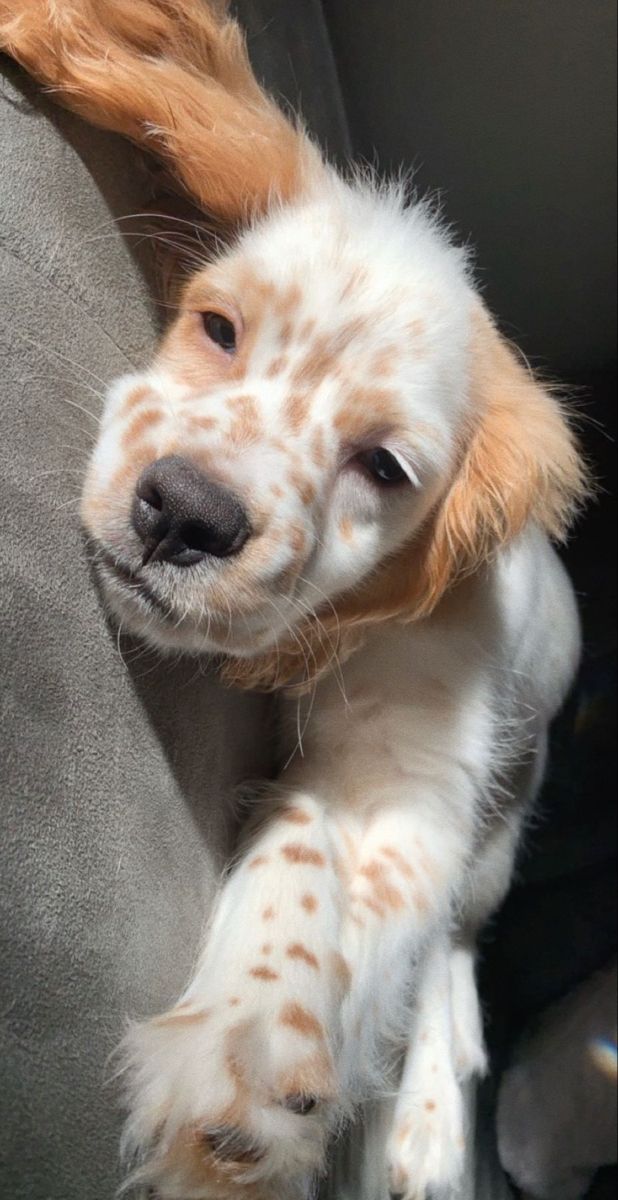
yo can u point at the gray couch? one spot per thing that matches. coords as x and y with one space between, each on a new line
117 768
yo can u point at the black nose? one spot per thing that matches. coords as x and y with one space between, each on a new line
181 516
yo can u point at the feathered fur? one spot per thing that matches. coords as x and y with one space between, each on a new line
429 623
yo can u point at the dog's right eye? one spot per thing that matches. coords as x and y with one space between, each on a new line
220 330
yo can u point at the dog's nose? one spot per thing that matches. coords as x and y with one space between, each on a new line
181 516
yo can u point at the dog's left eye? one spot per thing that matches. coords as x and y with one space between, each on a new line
220 330
382 466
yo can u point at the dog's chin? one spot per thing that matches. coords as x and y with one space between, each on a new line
137 609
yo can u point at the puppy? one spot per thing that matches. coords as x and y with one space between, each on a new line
336 476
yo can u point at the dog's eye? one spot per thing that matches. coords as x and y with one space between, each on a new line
382 466
220 330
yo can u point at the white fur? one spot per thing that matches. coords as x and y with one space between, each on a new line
412 764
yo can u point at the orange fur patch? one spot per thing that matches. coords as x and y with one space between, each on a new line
295 852
296 816
143 422
400 862
296 410
295 1017
277 366
384 893
301 954
265 974
135 398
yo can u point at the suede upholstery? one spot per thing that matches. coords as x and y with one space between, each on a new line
117 770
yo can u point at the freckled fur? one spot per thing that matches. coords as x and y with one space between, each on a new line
358 325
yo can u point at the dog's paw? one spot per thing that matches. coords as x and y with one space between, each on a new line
426 1152
229 1100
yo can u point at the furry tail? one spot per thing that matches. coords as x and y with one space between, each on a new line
174 76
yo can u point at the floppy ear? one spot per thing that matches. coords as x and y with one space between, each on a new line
176 79
520 463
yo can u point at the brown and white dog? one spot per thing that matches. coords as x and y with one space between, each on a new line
336 475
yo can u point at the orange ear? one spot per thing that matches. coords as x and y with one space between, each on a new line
521 463
176 79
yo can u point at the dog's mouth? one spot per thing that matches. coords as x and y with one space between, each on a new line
134 587
138 607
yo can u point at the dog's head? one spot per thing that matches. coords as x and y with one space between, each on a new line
331 434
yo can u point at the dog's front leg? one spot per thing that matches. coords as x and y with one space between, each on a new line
397 939
233 1092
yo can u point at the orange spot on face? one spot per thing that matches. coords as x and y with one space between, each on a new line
135 398
245 427
307 491
296 410
205 423
265 974
290 299
267 949
234 1002
268 914
143 422
318 448
276 367
296 816
307 329
363 407
430 1106
371 904
296 853
385 894
384 361
319 361
309 903
299 953
260 861
399 861
295 1017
